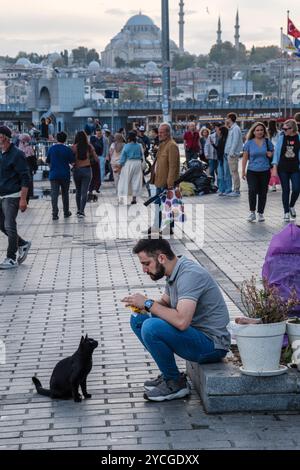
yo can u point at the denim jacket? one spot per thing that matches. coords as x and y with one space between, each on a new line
278 148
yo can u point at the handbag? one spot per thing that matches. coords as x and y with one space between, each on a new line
172 207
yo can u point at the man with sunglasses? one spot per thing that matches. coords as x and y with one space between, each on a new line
286 164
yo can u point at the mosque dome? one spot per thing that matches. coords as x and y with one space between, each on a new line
139 20
23 62
94 66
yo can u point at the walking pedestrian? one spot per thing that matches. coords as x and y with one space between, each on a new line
286 165
28 150
131 178
59 158
274 135
258 152
85 154
115 155
191 140
14 184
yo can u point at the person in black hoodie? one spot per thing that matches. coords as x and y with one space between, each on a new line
14 184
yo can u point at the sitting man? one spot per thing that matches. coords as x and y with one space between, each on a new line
190 320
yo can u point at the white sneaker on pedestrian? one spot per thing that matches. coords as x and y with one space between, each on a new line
293 212
234 194
23 252
252 217
287 217
274 189
8 263
261 218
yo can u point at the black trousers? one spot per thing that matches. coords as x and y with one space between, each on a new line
56 185
258 185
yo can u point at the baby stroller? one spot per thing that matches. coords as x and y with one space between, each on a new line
196 174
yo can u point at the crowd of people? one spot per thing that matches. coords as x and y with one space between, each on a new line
271 157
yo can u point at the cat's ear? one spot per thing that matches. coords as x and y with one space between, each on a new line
82 340
86 336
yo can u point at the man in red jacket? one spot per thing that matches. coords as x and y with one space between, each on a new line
192 142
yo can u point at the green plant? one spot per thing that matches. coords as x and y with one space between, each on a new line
266 303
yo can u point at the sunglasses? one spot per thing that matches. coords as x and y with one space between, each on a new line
286 129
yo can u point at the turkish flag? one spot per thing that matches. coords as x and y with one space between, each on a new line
292 30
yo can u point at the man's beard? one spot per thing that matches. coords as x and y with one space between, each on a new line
160 272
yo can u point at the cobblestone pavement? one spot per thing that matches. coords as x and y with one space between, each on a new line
71 284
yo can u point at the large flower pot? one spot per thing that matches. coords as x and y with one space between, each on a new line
293 330
260 348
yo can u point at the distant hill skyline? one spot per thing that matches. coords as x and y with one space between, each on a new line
54 26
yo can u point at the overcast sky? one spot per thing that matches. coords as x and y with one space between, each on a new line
34 25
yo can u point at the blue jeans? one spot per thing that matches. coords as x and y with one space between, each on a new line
224 177
102 161
82 179
163 340
213 168
285 179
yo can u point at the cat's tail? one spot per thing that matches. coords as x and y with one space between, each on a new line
39 388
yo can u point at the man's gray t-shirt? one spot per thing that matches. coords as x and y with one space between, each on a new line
190 281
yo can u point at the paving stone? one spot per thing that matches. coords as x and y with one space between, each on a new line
72 283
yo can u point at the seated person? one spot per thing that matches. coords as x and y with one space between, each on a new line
190 320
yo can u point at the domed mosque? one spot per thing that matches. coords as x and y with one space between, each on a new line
139 41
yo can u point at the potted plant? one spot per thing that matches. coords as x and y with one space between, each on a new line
260 335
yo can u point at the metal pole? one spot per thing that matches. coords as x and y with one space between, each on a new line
166 65
113 115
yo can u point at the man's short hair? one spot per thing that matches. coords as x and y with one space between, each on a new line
232 116
153 248
61 137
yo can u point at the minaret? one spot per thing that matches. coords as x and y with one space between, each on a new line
219 33
181 26
237 32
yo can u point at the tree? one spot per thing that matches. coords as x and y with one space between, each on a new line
80 55
120 63
226 54
132 93
202 60
259 55
183 61
264 83
92 54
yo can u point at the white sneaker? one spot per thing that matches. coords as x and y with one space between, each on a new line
8 263
23 252
293 212
252 217
274 189
261 218
287 217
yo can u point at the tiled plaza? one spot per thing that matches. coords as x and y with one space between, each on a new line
71 284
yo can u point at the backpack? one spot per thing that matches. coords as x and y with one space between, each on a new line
282 263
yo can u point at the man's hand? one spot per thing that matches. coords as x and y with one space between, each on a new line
244 176
136 300
274 172
23 205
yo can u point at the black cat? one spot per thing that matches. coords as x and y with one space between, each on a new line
71 372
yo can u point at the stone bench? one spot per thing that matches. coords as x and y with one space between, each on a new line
223 389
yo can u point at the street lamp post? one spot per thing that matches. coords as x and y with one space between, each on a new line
166 65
